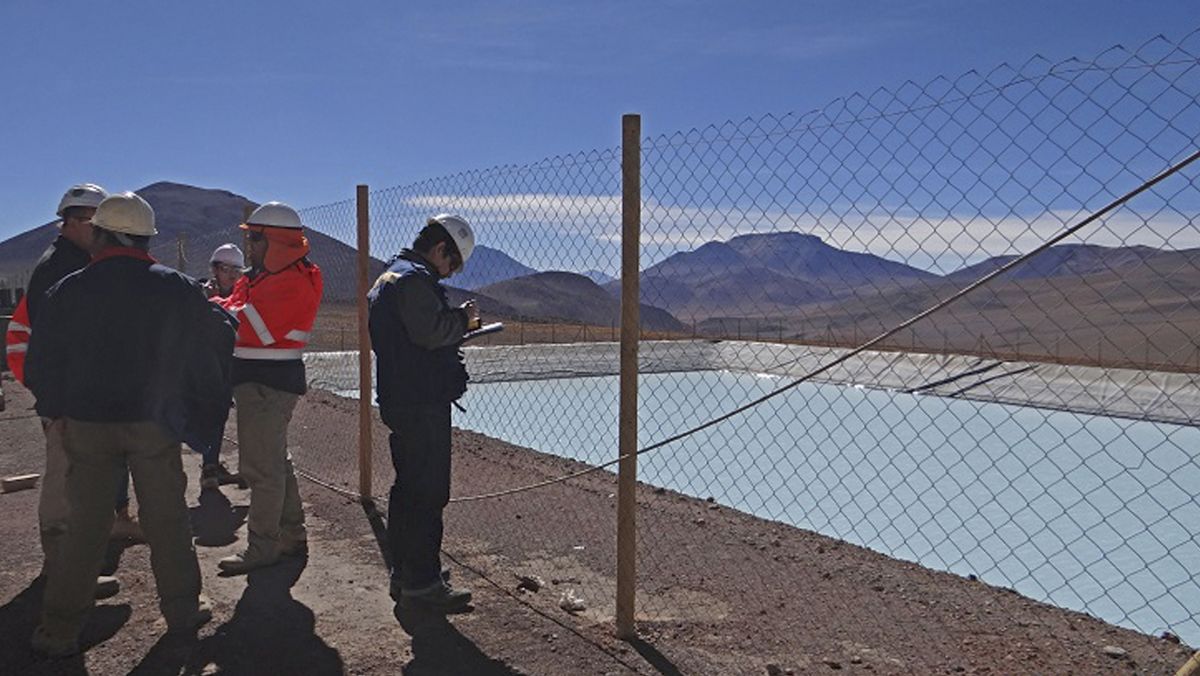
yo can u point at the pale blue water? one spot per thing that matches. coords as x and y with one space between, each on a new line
1084 512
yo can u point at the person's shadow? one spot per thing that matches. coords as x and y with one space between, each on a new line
439 648
215 520
20 615
270 632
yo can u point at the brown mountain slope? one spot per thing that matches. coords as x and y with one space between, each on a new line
573 298
1140 314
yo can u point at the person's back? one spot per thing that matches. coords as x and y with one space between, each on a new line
136 373
116 356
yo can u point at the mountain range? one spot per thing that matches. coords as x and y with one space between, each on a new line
1072 299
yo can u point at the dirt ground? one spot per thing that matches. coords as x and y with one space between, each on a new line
719 592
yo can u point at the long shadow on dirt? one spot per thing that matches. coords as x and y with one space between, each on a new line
270 632
438 648
215 520
18 618
656 659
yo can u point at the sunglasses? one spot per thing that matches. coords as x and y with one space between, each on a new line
253 236
225 267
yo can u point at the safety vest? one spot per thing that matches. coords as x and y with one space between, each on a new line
16 339
276 312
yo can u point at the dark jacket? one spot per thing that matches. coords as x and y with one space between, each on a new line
59 260
415 335
129 340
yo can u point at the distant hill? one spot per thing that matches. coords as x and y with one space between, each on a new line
195 221
752 275
574 298
1061 260
490 308
488 266
807 258
598 277
1140 311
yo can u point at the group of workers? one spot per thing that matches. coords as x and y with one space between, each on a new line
128 359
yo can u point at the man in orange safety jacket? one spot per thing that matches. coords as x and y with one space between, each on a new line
16 339
275 303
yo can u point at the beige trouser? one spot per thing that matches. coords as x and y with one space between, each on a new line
97 455
263 414
53 508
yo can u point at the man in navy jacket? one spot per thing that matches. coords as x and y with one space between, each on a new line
416 335
124 352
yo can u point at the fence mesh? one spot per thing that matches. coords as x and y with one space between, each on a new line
1040 434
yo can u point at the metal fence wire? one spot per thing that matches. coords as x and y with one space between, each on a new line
1038 434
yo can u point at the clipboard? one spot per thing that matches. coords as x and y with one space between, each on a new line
494 327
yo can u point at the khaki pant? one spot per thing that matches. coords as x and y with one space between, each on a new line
97 455
53 508
263 414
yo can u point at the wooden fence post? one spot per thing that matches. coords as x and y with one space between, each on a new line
365 391
631 220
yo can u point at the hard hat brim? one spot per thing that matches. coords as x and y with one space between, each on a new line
247 226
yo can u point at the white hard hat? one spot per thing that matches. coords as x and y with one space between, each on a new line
229 254
460 231
125 213
82 195
274 215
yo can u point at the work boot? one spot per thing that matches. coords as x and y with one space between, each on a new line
216 475
255 557
126 527
192 621
395 589
439 596
53 646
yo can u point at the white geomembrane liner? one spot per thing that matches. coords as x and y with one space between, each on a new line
1126 393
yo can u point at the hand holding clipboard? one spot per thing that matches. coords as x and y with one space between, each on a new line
475 326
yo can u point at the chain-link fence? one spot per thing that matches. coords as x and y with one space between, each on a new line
1040 433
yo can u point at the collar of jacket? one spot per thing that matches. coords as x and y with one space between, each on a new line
123 251
61 241
416 258
255 275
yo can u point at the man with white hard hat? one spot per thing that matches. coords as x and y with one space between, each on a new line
416 336
69 252
121 352
276 303
227 264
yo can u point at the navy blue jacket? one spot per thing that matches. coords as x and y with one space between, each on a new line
128 340
59 260
415 335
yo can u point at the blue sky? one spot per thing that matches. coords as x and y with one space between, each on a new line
299 101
